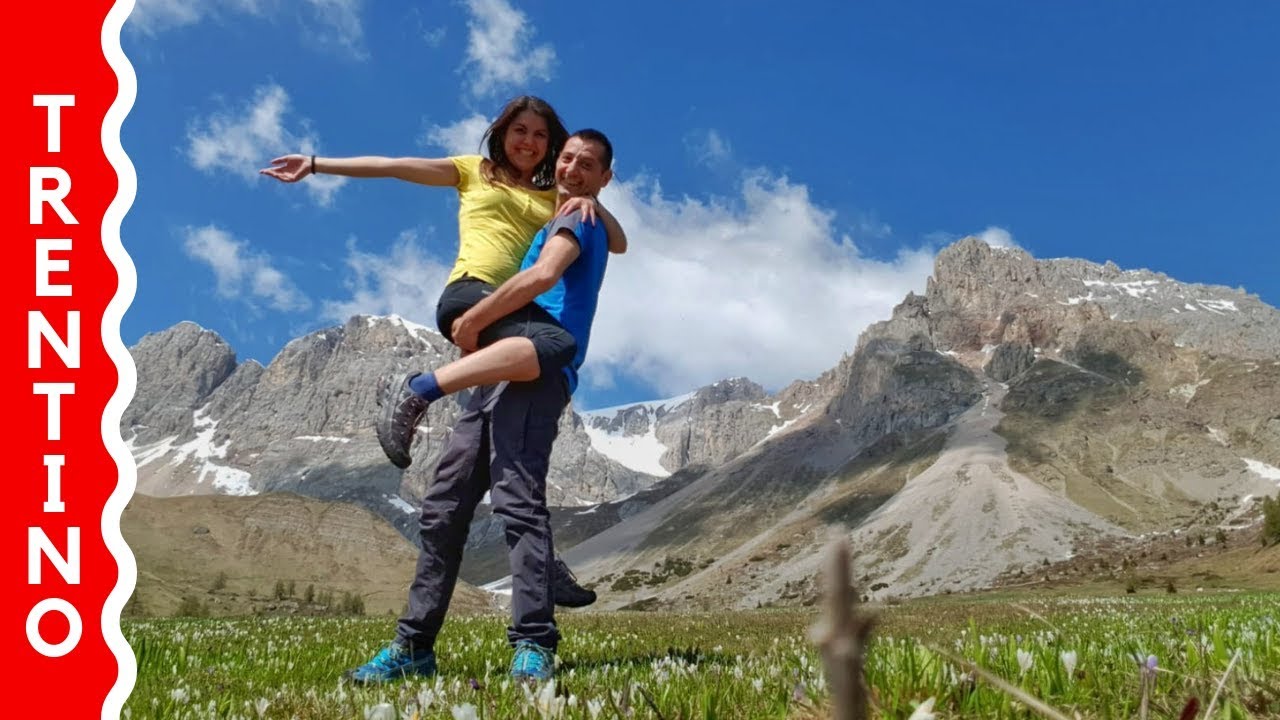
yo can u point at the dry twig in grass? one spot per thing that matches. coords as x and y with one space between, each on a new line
1027 699
1209 713
842 635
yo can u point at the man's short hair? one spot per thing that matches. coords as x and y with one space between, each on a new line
593 135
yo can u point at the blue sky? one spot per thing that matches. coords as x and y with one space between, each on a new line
785 176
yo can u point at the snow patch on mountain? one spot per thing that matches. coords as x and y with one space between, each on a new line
1263 470
201 449
1134 289
1218 306
145 454
641 453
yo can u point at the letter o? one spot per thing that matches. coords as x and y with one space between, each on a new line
33 627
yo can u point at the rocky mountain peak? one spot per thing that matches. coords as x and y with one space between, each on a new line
738 388
971 264
981 296
177 369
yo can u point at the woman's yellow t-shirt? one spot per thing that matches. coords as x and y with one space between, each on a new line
496 223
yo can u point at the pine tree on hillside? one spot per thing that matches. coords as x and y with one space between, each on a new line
1270 521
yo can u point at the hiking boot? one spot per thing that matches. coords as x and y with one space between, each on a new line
402 408
565 589
393 662
532 662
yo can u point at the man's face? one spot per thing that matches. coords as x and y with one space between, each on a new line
579 170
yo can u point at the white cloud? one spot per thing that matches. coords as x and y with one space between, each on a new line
460 138
762 286
997 237
407 282
153 16
434 36
243 140
869 225
709 148
241 273
499 53
329 22
338 24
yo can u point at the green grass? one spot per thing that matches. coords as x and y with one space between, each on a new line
737 665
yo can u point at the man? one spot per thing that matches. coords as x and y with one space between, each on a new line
502 441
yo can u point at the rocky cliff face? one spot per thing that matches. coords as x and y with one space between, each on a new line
201 423
177 369
981 296
707 427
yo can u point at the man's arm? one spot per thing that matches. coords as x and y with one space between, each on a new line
617 236
557 255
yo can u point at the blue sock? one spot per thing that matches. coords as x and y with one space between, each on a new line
426 387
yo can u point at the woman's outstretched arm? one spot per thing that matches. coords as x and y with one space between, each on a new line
424 171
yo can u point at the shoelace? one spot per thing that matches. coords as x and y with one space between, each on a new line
400 420
565 569
426 434
530 660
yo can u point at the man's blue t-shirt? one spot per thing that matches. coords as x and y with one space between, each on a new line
572 300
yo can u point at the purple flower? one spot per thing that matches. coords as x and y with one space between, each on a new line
1151 663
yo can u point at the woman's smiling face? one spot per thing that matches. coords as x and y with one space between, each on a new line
526 142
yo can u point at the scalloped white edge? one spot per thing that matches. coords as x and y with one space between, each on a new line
127 471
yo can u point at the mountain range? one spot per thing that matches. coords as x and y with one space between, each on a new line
1016 414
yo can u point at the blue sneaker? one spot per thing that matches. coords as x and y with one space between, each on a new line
393 662
532 662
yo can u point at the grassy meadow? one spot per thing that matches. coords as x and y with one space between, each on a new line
1126 656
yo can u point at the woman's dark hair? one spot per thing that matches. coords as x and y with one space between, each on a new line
499 168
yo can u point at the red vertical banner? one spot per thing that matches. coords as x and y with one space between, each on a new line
65 186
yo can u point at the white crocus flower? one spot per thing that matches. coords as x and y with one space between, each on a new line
549 706
1069 662
594 707
381 711
1025 660
466 711
924 711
